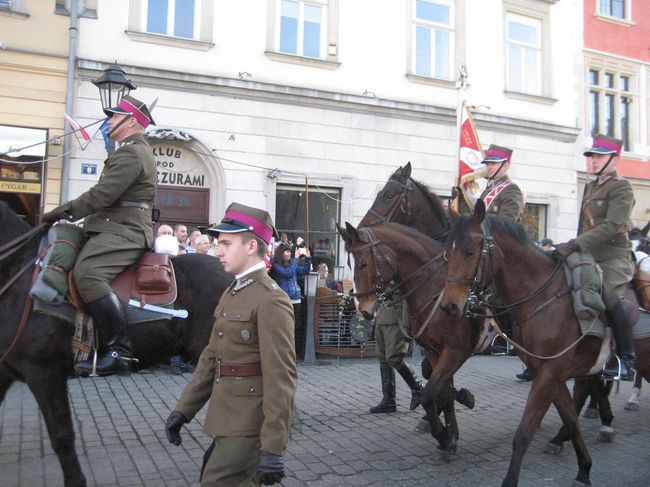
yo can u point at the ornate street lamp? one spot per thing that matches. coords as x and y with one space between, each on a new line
113 86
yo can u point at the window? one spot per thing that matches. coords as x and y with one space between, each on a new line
524 54
6 4
433 38
85 8
175 18
324 212
302 31
610 98
534 221
613 8
14 8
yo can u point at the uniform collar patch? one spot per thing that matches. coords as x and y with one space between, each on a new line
242 283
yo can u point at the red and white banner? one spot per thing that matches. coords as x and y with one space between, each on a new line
470 157
78 130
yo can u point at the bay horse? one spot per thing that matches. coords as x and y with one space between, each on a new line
545 322
409 202
43 357
395 262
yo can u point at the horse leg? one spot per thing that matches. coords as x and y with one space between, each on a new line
567 412
633 402
592 408
581 390
50 388
606 433
543 390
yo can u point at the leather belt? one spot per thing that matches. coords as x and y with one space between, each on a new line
133 204
238 370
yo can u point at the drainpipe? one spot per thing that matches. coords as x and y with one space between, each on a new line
69 98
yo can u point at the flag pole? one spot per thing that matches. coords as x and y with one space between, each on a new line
461 86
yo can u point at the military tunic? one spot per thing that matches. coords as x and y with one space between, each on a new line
607 204
118 235
509 202
391 344
253 325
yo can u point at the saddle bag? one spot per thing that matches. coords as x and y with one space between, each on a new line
587 279
642 282
154 274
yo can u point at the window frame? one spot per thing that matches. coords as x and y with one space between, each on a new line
86 8
300 41
171 20
627 12
433 27
625 130
329 58
525 48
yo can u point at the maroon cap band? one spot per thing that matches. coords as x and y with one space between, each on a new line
495 153
607 145
135 111
260 229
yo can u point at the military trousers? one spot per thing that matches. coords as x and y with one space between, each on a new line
102 258
231 461
617 273
391 344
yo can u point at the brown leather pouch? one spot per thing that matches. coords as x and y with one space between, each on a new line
642 284
154 274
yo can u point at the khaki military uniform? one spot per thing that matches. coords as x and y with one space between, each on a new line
118 235
607 204
391 344
253 325
509 202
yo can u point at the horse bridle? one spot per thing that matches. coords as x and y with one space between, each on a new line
385 289
478 285
402 202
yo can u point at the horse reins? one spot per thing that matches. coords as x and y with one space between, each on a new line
403 202
7 250
479 284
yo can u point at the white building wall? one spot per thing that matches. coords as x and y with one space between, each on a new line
318 122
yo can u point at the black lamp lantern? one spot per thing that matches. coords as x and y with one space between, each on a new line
113 86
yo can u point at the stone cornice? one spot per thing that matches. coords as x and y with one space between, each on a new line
274 93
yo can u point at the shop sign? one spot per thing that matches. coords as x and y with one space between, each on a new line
19 187
178 166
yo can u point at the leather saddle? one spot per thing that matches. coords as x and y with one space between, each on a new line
151 280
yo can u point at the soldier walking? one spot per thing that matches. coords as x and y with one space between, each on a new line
248 370
118 211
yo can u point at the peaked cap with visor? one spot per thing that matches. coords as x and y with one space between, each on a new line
134 107
496 153
241 218
604 144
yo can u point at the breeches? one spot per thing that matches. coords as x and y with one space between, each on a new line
392 346
102 258
617 273
231 462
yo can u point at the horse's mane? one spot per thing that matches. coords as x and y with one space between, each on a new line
496 224
408 232
434 201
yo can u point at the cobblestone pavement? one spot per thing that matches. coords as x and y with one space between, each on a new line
335 441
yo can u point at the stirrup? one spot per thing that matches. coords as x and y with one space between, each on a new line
619 371
496 350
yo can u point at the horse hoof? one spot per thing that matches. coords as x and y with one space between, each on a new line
466 398
590 413
632 406
553 449
423 426
606 434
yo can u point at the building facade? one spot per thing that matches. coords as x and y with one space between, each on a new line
617 87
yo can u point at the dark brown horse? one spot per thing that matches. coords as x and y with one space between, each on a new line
545 323
393 262
43 358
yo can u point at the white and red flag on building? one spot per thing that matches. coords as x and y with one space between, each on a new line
470 156
78 131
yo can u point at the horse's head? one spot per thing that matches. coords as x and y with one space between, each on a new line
472 260
11 226
393 202
373 264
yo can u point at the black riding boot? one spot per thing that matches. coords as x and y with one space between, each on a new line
414 384
622 332
387 404
110 319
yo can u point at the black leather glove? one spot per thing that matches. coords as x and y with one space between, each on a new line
564 249
271 468
58 213
455 191
173 427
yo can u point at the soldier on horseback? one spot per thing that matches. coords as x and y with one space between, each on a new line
118 211
607 204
